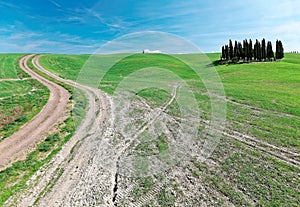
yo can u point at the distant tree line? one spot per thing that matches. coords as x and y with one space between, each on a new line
247 51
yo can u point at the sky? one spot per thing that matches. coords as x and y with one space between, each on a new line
81 26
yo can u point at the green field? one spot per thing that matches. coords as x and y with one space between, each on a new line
8 66
67 66
271 88
20 99
262 102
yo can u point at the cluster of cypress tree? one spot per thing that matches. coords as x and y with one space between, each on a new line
246 51
279 50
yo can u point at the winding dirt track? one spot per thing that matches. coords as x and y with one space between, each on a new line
23 141
74 174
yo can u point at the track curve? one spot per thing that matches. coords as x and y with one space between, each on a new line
18 145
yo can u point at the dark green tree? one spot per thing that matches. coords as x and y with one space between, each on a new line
240 50
259 56
226 52
255 51
246 49
235 49
230 50
250 52
270 53
279 50
263 49
223 53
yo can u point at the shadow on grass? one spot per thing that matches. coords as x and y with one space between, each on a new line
230 62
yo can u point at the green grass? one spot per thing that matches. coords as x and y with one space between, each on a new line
273 88
8 67
67 66
9 88
154 97
166 199
266 180
129 65
263 101
145 185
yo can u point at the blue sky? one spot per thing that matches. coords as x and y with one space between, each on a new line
65 26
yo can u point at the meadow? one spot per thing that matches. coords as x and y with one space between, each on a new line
262 104
7 66
270 89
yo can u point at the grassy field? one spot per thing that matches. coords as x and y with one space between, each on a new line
8 65
262 103
67 66
21 98
271 88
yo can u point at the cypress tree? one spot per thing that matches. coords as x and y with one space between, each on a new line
230 50
250 52
246 50
263 49
223 53
255 51
259 57
226 52
243 51
235 49
240 50
270 53
279 50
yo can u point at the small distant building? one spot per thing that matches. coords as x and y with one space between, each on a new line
147 51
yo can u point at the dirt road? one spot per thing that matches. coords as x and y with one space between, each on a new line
71 171
23 141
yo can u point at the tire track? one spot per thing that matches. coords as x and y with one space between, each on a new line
137 134
57 183
18 145
281 153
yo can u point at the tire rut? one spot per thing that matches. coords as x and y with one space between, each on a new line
74 165
18 145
